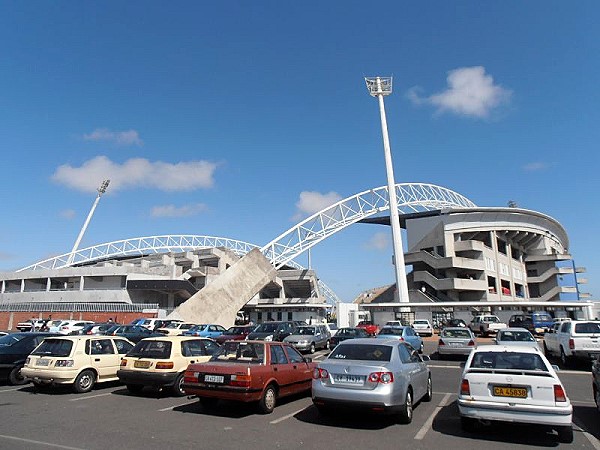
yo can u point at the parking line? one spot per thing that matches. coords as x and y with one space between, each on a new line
8 390
281 419
427 425
170 408
441 366
90 396
595 442
31 441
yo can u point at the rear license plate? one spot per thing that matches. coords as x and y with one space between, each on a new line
43 362
348 379
454 344
214 378
141 364
509 391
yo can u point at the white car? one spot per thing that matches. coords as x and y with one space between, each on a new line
515 336
422 327
332 326
513 384
72 326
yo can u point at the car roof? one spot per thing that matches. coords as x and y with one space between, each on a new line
456 328
176 338
370 341
514 329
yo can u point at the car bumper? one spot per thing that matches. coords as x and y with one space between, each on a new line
540 415
589 354
384 398
147 378
424 331
223 392
447 350
50 376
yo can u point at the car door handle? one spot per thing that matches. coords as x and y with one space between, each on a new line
274 369
97 359
295 367
192 362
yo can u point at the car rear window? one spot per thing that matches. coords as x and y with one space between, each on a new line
515 336
54 347
240 351
464 333
587 327
10 339
151 350
362 352
507 360
392 331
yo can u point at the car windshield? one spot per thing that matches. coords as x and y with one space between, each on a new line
174 325
507 360
151 349
10 339
587 327
362 352
464 333
240 352
516 336
397 331
236 330
54 347
304 331
491 319
267 328
542 317
421 322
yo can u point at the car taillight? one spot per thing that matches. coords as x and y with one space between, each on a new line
381 377
189 376
571 344
27 361
559 393
320 373
64 363
165 365
241 380
464 387
440 342
471 344
123 362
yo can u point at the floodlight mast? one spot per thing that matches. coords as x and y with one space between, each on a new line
101 190
378 87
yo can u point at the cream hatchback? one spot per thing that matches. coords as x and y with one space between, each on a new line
80 361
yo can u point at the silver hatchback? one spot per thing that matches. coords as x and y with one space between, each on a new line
309 338
378 375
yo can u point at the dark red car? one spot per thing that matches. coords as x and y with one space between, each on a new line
250 371
235 333
369 327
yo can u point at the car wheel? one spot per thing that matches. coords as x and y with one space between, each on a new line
407 410
178 386
421 348
564 359
429 394
597 398
15 377
565 434
135 388
327 345
208 403
312 348
467 424
84 382
546 351
266 405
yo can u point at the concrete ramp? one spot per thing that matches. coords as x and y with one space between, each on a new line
219 301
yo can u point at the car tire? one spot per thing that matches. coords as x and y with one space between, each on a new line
208 403
421 348
406 414
327 345
565 434
267 402
564 359
135 388
15 378
597 398
312 348
178 386
84 382
429 394
546 351
467 424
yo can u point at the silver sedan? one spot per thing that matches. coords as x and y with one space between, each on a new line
379 375
455 341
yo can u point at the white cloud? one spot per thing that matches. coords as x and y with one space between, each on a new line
311 202
67 214
470 92
129 137
379 241
178 211
535 166
136 173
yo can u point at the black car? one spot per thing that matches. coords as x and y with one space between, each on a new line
596 382
14 350
272 331
347 333
134 333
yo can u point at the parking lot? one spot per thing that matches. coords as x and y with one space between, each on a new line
109 416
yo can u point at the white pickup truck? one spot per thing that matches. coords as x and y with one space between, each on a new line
574 339
486 324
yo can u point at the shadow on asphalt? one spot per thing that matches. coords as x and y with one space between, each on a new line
346 419
63 389
588 419
447 422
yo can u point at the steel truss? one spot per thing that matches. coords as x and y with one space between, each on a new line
412 197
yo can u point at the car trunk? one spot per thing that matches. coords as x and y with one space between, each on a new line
351 374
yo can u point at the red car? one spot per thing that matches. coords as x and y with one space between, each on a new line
235 333
250 371
369 327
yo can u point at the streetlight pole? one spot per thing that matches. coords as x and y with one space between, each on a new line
379 87
101 190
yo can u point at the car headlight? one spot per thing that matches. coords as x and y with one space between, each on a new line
269 337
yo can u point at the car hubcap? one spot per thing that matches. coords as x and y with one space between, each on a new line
270 399
85 381
408 405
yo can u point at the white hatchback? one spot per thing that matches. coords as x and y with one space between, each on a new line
513 384
72 326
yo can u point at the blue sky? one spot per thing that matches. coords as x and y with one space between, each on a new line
234 119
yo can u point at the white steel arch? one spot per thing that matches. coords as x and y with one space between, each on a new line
412 197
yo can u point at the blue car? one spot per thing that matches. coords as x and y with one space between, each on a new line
207 330
406 334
